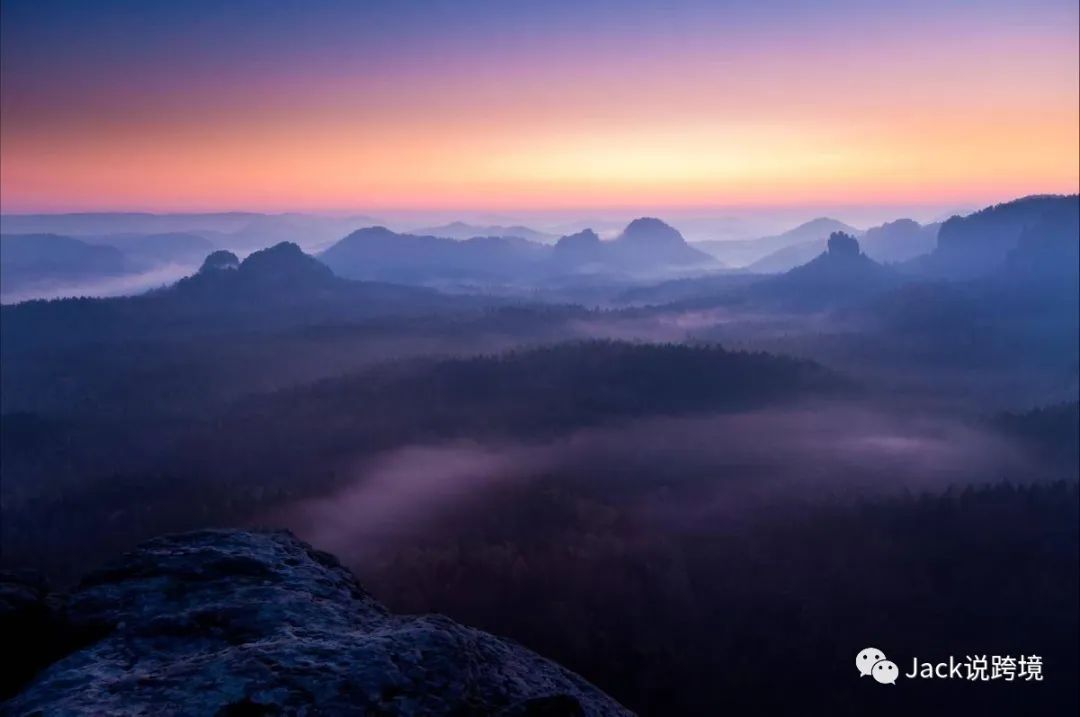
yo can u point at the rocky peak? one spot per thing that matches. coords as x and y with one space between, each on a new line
841 244
220 260
283 263
233 622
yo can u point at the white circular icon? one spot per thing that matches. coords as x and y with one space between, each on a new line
866 660
885 672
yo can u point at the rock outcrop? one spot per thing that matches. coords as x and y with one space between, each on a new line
841 244
259 623
220 260
840 275
979 244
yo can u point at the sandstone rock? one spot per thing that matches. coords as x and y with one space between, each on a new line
259 623
841 244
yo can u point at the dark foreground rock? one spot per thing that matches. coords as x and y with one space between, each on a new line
243 623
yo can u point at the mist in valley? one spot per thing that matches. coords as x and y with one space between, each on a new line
539 359
617 450
722 471
124 285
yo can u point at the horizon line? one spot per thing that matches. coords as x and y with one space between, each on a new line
373 212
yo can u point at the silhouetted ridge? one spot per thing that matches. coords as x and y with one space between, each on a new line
380 254
840 274
900 240
646 246
284 262
461 230
27 260
376 232
980 243
650 230
583 250
218 260
584 238
647 243
841 244
773 254
1050 246
282 272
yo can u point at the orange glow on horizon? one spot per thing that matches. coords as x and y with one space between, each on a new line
870 121
405 167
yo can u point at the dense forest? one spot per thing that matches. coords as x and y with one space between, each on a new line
703 494
128 464
765 614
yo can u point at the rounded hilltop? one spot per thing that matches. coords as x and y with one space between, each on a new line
220 260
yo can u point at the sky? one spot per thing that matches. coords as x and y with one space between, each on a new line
327 105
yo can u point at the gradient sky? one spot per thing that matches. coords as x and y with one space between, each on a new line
321 105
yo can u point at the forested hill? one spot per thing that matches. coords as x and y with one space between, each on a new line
275 288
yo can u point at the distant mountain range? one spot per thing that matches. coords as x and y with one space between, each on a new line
1021 258
646 246
841 274
34 260
789 257
113 254
376 253
981 243
1003 284
899 241
1006 276
152 249
48 265
283 280
1049 248
744 252
238 231
91 223
266 271
273 288
41 264
461 230
892 242
309 231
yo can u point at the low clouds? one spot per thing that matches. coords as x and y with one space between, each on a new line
719 467
399 493
125 285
